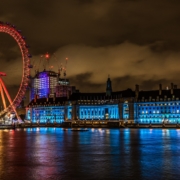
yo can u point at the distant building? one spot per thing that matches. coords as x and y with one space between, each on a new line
44 84
158 106
63 89
137 106
48 84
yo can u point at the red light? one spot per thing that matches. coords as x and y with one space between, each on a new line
47 56
2 74
6 28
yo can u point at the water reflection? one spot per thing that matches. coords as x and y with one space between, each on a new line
57 153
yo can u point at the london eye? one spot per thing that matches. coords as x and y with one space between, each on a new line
20 40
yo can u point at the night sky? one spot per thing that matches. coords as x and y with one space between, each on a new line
134 41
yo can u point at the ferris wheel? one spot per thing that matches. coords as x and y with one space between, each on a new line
14 103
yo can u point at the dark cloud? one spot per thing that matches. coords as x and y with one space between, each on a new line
147 84
84 80
135 41
52 24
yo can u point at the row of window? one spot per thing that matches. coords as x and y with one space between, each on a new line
158 112
158 121
172 107
160 104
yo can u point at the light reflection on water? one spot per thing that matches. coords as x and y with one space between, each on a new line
57 153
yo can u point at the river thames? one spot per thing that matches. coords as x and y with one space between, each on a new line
57 153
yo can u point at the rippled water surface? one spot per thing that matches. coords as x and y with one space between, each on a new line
57 153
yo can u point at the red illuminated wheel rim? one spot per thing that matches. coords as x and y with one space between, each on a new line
13 32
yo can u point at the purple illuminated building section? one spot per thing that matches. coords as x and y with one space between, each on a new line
43 75
41 85
47 84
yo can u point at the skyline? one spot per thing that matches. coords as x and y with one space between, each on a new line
136 42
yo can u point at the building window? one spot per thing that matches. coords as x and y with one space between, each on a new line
125 110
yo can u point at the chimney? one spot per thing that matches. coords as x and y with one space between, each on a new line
172 87
137 90
150 98
160 89
157 98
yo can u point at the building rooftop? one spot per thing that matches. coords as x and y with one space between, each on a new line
155 93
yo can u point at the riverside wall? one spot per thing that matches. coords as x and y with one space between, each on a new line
100 124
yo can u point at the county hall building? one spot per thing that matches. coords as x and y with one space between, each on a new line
54 100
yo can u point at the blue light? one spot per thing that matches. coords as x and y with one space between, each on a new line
69 112
158 112
99 112
48 114
125 111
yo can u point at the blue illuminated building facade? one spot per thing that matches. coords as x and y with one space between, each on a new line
158 112
98 112
159 106
142 107
79 106
44 84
